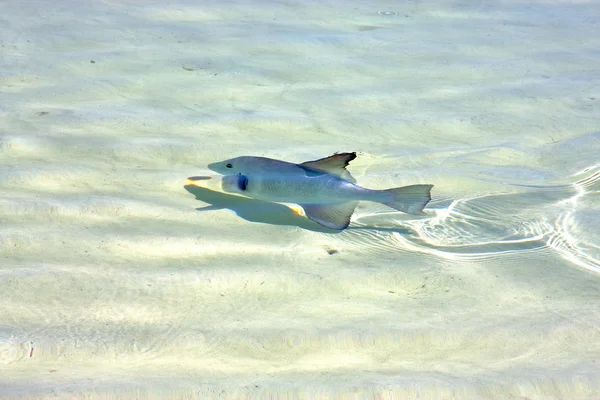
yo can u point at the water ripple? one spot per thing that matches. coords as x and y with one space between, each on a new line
555 217
575 234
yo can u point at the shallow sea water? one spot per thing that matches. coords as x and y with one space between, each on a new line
116 281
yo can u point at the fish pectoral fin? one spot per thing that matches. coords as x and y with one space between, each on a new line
242 182
335 165
334 216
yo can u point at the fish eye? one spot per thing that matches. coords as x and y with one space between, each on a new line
229 166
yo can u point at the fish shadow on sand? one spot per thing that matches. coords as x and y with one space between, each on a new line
254 210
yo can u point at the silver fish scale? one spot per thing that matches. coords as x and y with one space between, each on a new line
318 190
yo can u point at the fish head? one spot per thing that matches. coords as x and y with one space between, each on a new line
242 165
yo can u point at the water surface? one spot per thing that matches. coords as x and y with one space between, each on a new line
116 280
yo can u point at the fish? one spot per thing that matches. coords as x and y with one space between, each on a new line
324 188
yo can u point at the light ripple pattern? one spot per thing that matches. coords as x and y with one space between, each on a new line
118 280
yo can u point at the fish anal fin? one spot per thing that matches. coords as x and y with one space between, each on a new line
335 165
334 216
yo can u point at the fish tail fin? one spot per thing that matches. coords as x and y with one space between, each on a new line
409 199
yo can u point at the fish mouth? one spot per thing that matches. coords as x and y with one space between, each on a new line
215 168
212 167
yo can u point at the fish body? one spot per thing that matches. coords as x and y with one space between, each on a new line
324 188
291 184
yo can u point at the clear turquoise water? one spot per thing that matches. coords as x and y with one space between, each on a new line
116 282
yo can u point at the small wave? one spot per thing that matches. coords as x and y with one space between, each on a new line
491 225
575 234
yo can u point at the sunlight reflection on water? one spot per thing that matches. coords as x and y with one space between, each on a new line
494 223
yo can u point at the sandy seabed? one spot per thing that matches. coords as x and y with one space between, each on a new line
116 281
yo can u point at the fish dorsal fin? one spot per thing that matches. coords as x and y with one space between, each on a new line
333 216
335 165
